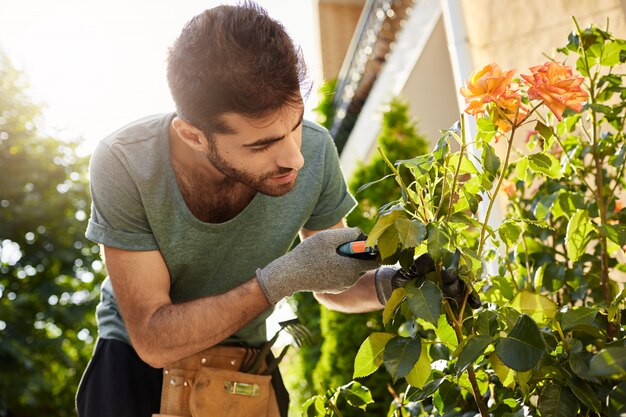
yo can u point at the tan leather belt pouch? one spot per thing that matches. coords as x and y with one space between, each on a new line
208 384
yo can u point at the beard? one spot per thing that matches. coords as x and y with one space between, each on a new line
260 183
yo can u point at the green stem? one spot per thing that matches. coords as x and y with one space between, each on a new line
581 175
458 168
560 330
399 180
333 407
457 325
493 197
599 179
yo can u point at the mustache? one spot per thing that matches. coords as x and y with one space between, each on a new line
279 172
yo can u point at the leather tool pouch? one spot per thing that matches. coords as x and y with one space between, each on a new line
208 384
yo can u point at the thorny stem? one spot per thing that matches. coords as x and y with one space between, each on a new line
526 256
399 179
599 180
492 198
457 325
563 338
599 177
458 168
333 407
443 189
574 167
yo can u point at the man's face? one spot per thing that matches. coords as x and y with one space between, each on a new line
262 154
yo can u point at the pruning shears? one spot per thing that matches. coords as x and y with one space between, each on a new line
357 249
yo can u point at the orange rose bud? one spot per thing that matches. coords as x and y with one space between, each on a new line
508 110
485 86
508 187
619 205
557 86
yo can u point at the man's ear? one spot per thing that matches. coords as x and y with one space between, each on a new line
190 135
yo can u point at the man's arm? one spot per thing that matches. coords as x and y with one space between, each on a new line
360 298
162 332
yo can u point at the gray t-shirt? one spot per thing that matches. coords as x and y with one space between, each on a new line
137 205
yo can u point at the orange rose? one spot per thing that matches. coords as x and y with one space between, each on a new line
557 86
508 110
618 206
485 86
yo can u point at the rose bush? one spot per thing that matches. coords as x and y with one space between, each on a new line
549 338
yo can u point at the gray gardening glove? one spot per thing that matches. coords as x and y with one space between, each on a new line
388 278
314 265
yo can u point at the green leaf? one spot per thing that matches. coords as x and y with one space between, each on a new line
369 184
314 406
506 374
557 400
547 135
446 397
544 206
615 233
579 360
401 354
420 373
611 53
370 355
421 164
486 130
617 400
540 308
546 164
438 241
521 168
357 395
471 351
428 390
491 162
410 232
472 200
524 346
577 237
382 224
566 204
445 333
397 296
501 290
487 323
388 242
578 316
585 394
510 232
442 148
610 362
424 301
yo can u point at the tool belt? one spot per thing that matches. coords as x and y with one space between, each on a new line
209 384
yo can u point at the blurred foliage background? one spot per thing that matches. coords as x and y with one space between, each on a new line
48 270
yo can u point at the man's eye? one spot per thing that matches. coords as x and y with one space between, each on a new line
260 148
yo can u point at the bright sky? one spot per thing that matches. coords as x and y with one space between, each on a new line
100 64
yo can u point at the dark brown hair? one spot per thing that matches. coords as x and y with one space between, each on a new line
233 59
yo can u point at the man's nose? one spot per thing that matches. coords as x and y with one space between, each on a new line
290 155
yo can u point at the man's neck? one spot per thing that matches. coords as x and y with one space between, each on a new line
209 194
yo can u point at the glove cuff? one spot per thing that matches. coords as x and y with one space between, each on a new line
261 280
382 282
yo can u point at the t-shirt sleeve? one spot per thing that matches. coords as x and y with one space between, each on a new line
118 218
335 201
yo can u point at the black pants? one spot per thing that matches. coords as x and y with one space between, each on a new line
117 383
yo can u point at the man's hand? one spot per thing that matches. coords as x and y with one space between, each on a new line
314 265
388 278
